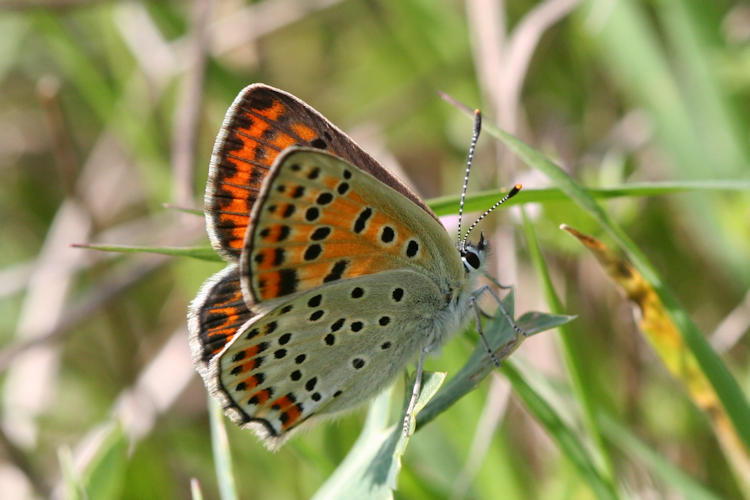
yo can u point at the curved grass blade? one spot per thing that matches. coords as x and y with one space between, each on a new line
574 359
722 381
371 467
202 253
631 445
221 452
566 439
503 340
665 339
195 490
479 201
104 474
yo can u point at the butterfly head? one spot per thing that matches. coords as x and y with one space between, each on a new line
472 255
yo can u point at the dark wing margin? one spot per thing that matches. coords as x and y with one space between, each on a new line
260 124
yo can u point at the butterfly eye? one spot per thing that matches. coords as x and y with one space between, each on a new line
471 259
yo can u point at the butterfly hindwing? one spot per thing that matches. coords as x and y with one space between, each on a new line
261 123
215 316
324 351
320 219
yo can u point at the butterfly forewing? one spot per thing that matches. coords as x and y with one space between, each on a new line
261 123
320 219
324 351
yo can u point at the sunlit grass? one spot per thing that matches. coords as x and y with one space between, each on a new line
641 104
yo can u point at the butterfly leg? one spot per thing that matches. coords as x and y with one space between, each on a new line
478 325
493 280
500 306
415 390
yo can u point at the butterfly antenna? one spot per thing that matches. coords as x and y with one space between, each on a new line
474 139
499 202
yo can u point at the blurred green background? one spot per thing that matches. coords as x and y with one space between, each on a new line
108 110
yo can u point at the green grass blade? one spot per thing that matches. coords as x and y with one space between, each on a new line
721 379
671 85
195 490
720 123
221 452
108 101
104 474
374 436
633 447
72 487
630 46
446 205
573 357
371 467
503 340
565 438
202 253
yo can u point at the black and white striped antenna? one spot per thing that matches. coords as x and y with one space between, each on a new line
514 191
474 139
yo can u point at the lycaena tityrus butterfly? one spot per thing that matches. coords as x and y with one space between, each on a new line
338 274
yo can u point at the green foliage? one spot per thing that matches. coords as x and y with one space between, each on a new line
631 126
104 474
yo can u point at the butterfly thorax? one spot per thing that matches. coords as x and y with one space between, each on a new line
451 318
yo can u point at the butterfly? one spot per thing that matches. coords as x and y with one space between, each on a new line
338 275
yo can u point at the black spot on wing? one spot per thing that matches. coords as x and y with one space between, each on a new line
318 143
320 233
313 252
288 281
314 301
361 223
387 234
412 248
337 271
